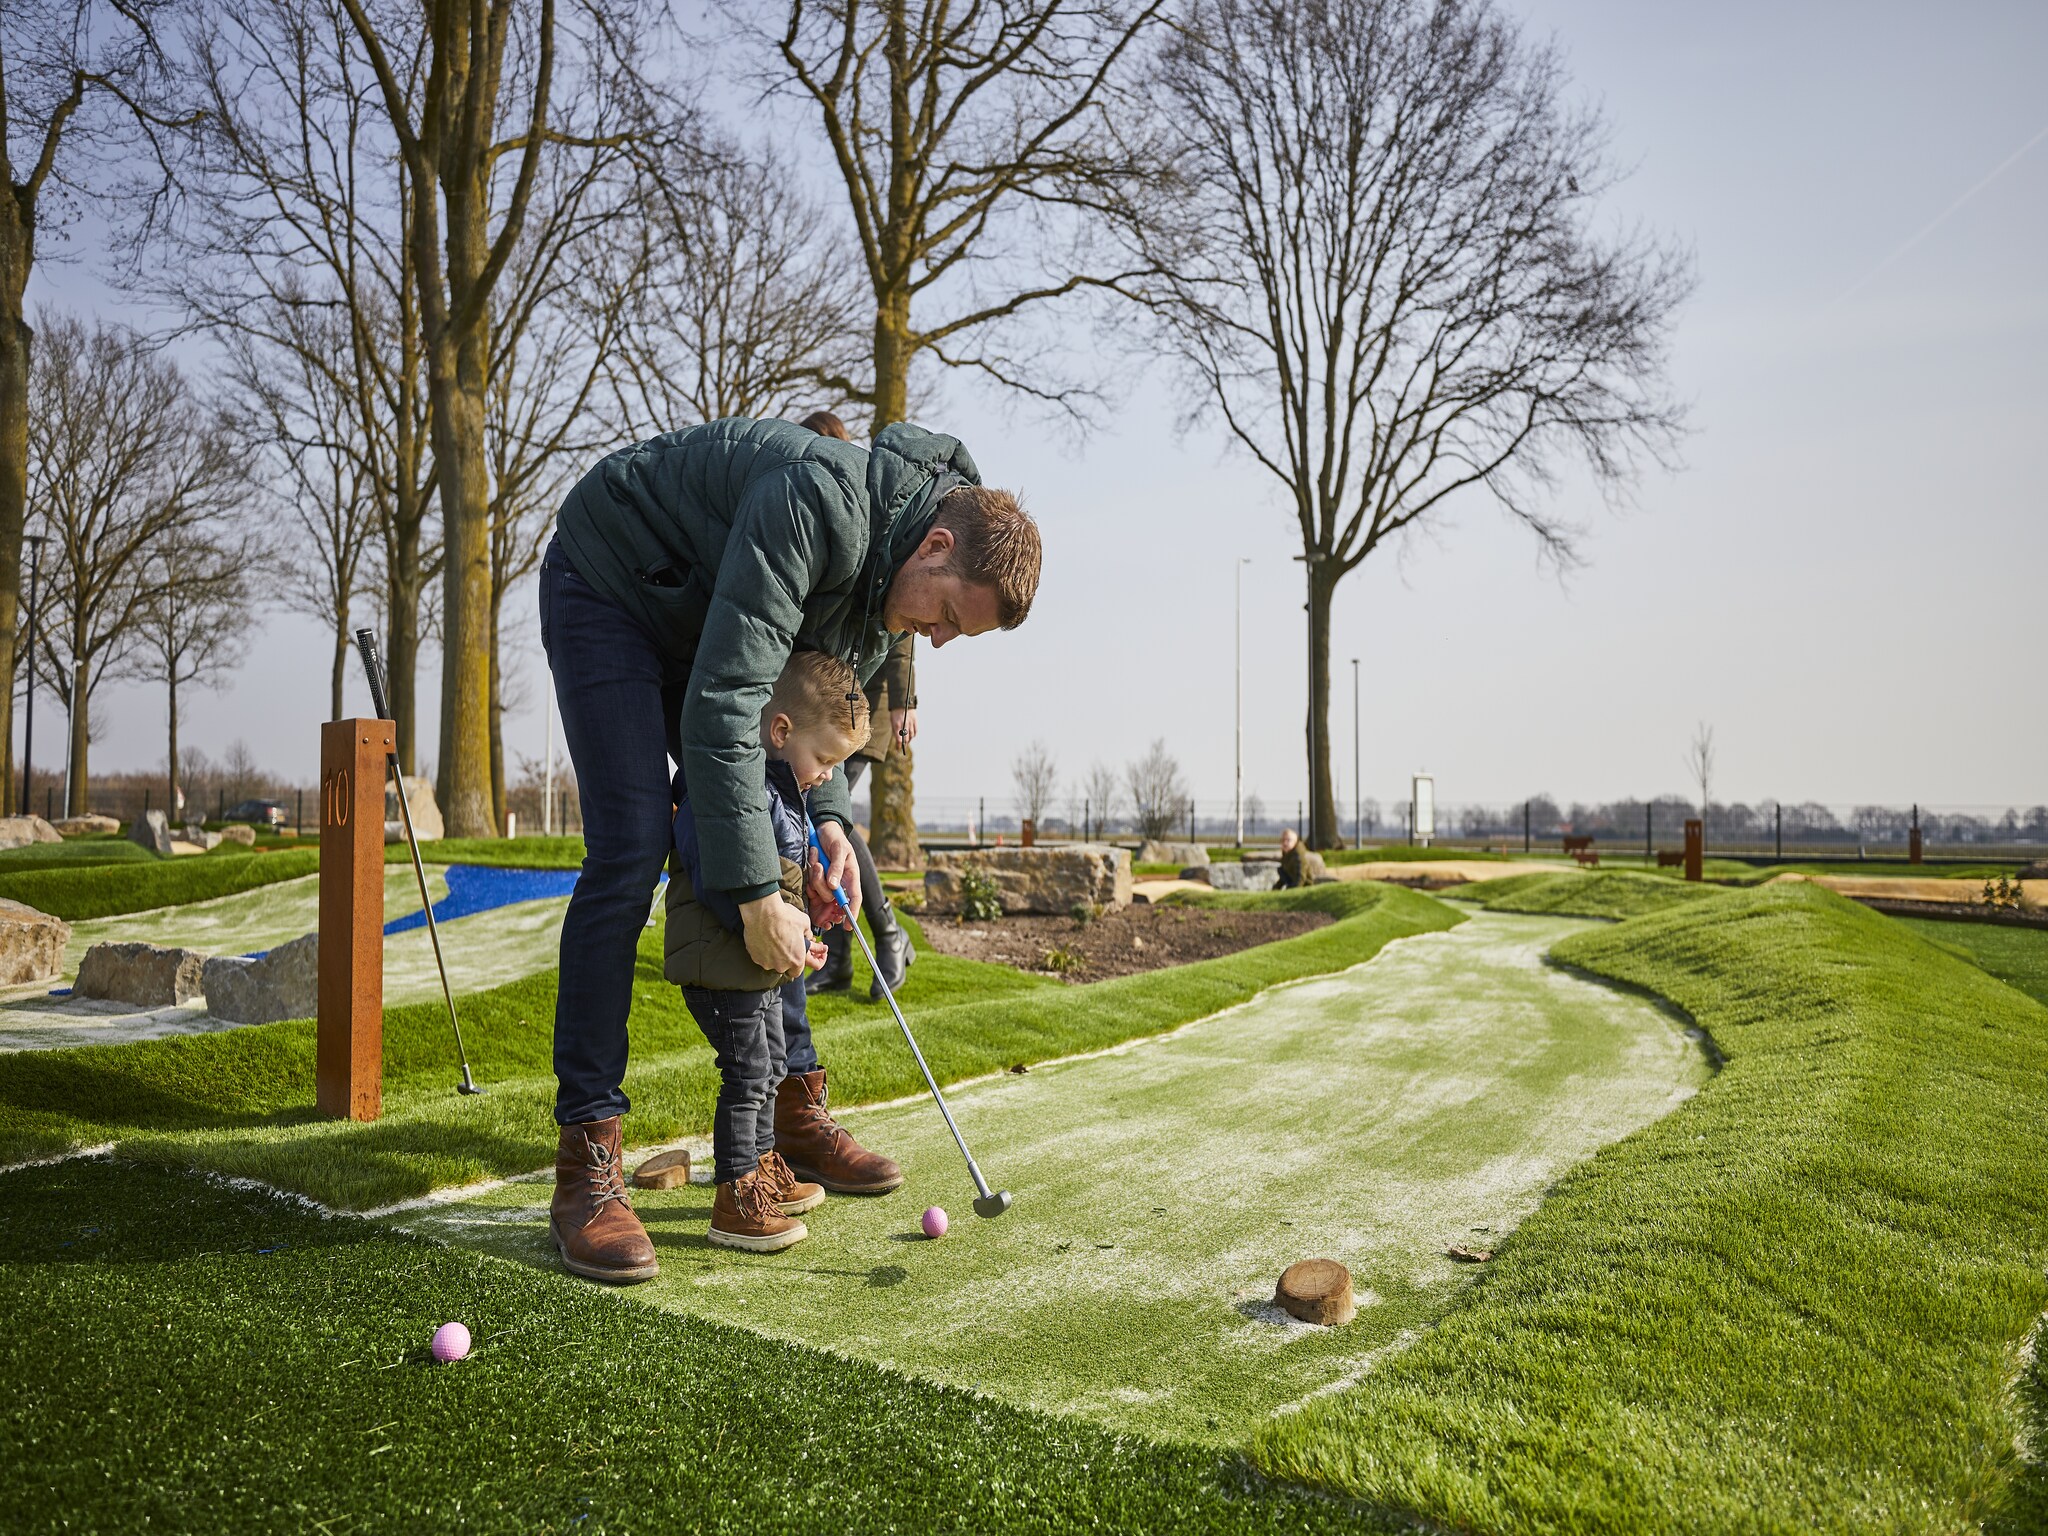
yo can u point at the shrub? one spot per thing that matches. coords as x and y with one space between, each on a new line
980 901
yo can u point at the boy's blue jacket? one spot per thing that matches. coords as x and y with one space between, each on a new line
703 944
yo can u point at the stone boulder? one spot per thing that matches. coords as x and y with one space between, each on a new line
86 826
31 944
1251 875
199 837
1049 881
152 829
238 833
20 831
426 814
1180 855
144 974
284 984
2038 870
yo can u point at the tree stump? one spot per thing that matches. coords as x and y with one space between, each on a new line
664 1170
1316 1291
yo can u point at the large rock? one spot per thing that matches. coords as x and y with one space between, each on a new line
426 815
1252 875
144 974
152 829
239 833
31 944
1180 855
1041 880
20 831
284 984
88 825
199 837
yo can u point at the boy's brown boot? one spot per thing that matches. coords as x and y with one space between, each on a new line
817 1146
792 1194
744 1215
591 1219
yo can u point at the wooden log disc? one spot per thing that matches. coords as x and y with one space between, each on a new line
664 1170
1316 1291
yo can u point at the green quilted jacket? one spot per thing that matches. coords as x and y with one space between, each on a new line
732 544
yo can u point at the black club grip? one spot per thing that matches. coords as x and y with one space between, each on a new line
373 664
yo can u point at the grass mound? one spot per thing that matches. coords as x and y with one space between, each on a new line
1799 1303
2016 956
73 853
1600 893
190 1357
240 1102
495 852
110 890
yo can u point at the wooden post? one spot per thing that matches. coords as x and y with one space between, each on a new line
349 1051
1913 841
1695 848
1029 835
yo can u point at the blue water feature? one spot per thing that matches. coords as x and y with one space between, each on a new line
474 888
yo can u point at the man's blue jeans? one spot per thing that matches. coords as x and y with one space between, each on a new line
620 701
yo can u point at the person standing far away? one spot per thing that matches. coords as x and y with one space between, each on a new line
683 572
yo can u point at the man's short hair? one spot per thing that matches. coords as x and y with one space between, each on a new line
995 545
813 691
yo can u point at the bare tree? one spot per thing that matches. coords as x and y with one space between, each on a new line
745 298
295 254
1159 801
75 77
1102 793
194 627
1385 281
1699 764
976 147
1037 779
502 87
122 459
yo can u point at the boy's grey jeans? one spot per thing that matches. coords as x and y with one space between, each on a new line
745 1029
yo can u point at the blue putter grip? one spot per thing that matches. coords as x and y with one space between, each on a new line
818 848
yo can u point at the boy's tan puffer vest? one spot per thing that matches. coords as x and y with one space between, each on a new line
700 952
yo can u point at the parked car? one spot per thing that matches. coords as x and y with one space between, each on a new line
262 813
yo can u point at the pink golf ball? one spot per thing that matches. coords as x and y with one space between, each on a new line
934 1221
451 1343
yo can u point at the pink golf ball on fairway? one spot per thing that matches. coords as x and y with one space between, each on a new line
451 1343
934 1221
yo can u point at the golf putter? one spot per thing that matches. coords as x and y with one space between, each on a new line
987 1202
366 642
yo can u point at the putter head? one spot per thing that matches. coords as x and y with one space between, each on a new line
992 1205
468 1084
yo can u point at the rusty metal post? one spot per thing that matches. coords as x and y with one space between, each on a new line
349 1053
1695 848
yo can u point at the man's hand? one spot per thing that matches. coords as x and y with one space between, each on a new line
778 937
839 870
903 725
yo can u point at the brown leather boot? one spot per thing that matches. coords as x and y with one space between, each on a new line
792 1194
592 1220
744 1215
817 1146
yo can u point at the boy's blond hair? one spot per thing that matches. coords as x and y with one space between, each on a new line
813 691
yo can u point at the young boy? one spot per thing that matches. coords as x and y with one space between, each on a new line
815 717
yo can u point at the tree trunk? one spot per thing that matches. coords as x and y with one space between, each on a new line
1321 831
402 644
15 340
338 671
892 815
171 801
81 719
459 372
497 720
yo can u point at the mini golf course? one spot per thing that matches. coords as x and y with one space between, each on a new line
1763 1173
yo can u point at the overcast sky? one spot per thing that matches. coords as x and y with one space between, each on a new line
1846 579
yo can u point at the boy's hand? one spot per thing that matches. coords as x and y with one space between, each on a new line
777 936
816 959
839 870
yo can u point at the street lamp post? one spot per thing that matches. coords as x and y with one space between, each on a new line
1237 665
35 542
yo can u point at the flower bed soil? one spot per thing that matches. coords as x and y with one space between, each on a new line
1119 943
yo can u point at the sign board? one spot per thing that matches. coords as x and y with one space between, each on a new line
1422 794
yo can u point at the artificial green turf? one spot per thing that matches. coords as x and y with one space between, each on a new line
2016 956
1429 1097
497 852
109 890
1799 1303
182 1356
240 1101
73 853
1609 893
